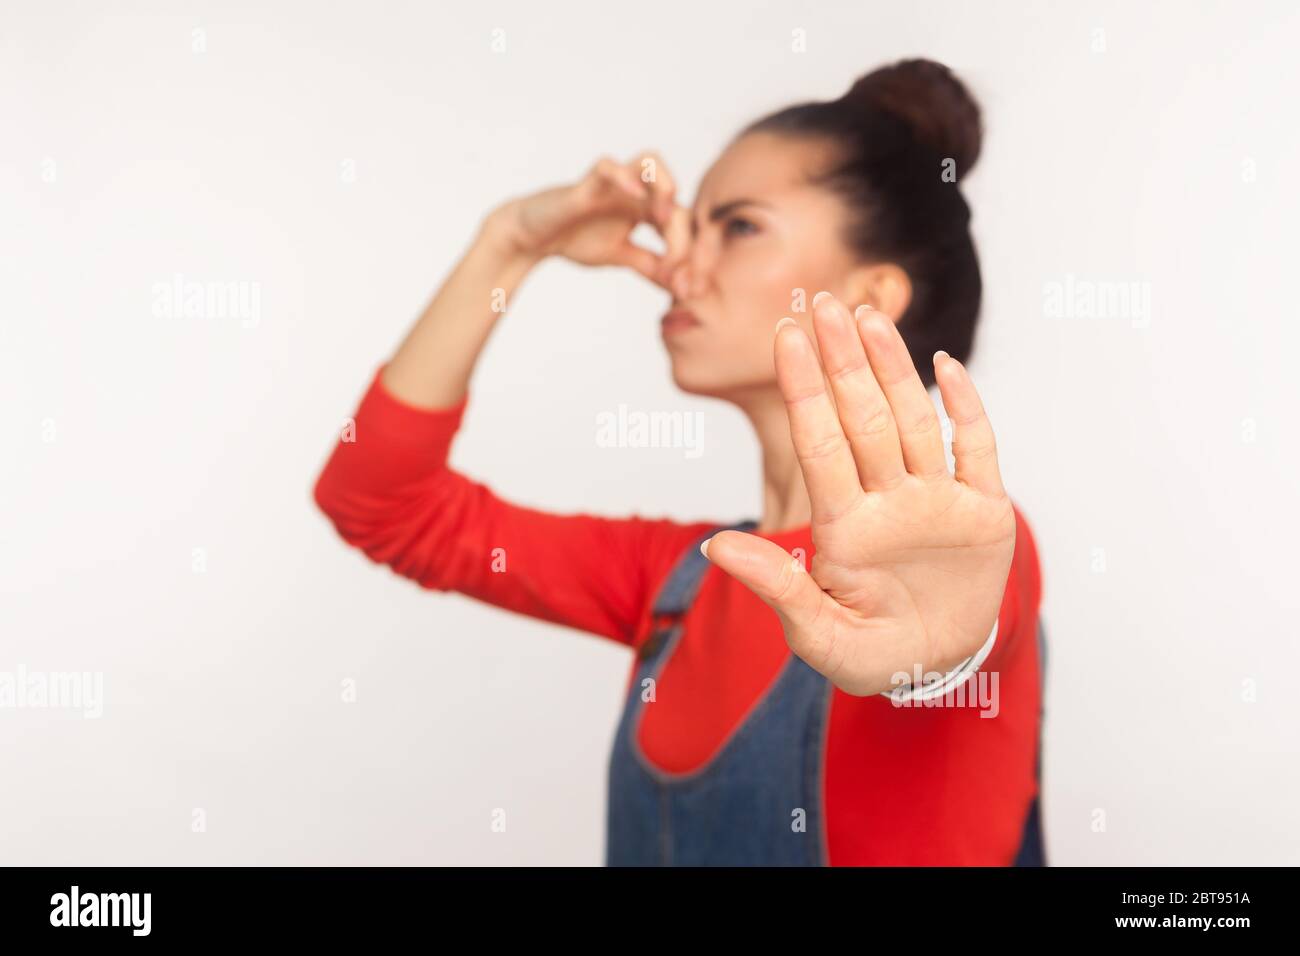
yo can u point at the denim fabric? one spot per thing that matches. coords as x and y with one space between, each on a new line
1033 850
758 801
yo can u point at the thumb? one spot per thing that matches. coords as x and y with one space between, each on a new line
780 581
638 258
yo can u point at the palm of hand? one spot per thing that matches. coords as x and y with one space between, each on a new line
595 241
905 572
910 561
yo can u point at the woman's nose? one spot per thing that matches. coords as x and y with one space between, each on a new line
680 283
687 278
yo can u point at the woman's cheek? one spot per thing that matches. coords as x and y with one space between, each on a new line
770 291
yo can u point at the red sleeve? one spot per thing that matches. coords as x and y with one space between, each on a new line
1018 618
388 490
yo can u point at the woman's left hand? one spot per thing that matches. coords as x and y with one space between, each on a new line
910 561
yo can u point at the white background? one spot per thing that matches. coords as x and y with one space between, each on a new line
1152 459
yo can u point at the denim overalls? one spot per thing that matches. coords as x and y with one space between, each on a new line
758 801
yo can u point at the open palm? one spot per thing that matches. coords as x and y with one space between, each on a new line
910 561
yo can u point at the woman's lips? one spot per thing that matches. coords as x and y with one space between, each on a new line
677 321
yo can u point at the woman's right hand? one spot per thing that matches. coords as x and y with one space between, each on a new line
591 221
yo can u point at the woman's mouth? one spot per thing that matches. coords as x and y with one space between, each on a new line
677 321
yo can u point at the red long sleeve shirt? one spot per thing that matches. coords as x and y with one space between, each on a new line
903 785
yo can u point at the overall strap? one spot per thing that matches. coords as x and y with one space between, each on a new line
683 581
678 591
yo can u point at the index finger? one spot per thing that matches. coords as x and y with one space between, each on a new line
653 171
671 220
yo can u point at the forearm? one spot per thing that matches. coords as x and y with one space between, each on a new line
433 365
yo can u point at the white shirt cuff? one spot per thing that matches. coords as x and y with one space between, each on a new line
939 686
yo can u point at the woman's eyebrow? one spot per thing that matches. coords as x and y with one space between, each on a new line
727 208
723 210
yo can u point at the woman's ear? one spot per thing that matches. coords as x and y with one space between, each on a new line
884 286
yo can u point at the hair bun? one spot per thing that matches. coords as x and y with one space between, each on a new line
934 104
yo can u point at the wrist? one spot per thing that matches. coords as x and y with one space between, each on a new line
938 685
500 240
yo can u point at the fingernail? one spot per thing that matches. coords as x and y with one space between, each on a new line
784 322
818 297
704 547
862 310
940 353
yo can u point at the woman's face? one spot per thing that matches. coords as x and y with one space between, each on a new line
764 243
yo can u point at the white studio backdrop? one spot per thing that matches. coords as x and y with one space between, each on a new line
332 160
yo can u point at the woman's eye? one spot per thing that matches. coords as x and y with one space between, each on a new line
739 227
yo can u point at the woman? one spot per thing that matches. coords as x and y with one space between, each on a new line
809 735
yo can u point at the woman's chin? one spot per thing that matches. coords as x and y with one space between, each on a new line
693 381
699 378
